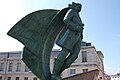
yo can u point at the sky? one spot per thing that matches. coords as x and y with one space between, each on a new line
101 19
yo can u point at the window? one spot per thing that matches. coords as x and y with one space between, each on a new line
25 78
18 67
17 78
85 70
26 69
34 78
10 67
1 67
84 56
9 78
0 77
72 71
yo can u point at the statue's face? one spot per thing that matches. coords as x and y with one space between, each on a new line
78 8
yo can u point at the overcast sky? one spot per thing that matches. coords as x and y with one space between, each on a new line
101 19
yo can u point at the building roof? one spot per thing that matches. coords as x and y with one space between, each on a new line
10 54
116 75
90 75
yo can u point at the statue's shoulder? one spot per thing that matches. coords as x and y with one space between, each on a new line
72 12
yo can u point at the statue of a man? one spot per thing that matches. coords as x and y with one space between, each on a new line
70 41
38 32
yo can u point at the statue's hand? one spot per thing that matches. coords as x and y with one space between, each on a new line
80 28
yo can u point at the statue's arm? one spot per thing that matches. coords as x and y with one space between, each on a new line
68 21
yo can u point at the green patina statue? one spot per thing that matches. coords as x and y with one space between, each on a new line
40 30
70 41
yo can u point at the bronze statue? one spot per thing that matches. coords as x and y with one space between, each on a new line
40 30
70 41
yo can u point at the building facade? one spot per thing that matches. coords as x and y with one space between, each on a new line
13 68
115 77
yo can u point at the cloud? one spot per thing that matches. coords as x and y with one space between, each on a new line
108 70
107 67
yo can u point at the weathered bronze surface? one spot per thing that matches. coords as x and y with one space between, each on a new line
40 30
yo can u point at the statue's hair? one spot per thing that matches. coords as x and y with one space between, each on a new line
73 5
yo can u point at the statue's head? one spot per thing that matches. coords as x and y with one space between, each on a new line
75 6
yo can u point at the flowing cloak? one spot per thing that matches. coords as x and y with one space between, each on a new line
37 32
